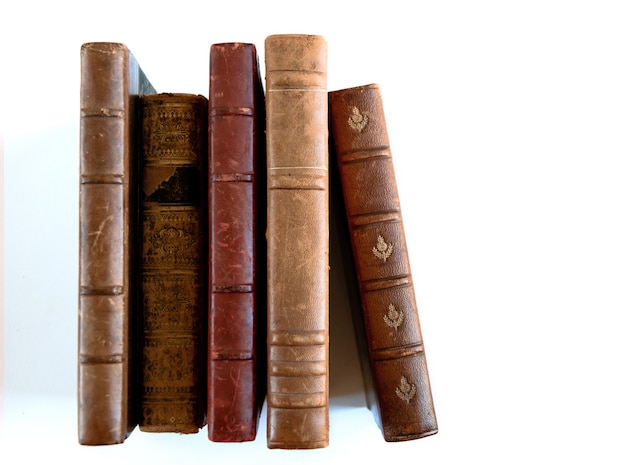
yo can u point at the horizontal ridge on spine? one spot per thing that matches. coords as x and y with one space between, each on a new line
223 354
297 338
232 177
372 285
303 369
109 359
231 111
102 179
367 219
229 288
398 352
95 291
362 155
292 400
296 80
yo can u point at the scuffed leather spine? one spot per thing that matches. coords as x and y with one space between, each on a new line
236 338
110 82
389 310
298 241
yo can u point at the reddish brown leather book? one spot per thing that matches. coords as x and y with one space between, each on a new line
237 282
297 241
173 261
111 82
404 404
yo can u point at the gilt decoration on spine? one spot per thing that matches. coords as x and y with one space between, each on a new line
173 261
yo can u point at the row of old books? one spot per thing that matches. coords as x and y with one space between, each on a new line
205 228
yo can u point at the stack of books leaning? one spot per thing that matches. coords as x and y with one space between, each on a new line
205 227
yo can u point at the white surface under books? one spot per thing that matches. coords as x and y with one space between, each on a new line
39 428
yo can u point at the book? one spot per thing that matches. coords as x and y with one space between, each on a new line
173 262
397 362
111 82
236 338
297 241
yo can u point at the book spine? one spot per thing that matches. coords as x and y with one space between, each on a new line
173 261
236 375
105 244
389 310
297 241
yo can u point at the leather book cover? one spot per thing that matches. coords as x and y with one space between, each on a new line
173 262
237 278
111 81
297 241
390 319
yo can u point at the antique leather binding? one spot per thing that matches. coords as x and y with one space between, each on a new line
297 241
404 404
111 82
236 344
173 218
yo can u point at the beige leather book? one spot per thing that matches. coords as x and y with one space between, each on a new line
297 241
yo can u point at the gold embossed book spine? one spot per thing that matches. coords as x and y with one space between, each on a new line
297 241
404 407
111 82
173 262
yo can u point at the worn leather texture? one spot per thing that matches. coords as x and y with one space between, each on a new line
389 311
111 81
237 279
297 241
173 261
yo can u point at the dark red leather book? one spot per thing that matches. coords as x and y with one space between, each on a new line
236 337
111 83
395 349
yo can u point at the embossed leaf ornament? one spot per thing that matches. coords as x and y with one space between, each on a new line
172 240
382 250
406 391
393 318
357 120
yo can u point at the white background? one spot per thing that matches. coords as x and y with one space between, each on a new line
507 122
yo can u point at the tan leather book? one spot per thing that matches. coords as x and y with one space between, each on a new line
111 82
297 241
173 262
403 401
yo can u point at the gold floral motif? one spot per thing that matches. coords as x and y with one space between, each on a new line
382 250
357 120
172 240
393 318
406 391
